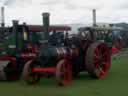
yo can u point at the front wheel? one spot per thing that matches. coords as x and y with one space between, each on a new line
28 75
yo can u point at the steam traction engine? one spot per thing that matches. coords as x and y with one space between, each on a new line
16 50
109 35
21 44
64 56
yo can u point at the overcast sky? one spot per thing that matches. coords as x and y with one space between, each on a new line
65 11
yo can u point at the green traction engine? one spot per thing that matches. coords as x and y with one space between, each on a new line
13 55
21 44
105 34
65 55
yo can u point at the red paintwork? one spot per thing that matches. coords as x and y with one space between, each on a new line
44 70
67 75
32 48
12 59
64 72
27 56
119 44
102 57
115 50
30 52
39 28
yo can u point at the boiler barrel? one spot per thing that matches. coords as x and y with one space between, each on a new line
52 54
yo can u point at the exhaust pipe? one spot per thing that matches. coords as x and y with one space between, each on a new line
46 25
15 32
94 17
2 17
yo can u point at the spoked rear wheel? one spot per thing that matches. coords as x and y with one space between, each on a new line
64 72
98 60
28 75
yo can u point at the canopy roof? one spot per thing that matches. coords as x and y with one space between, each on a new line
101 28
39 28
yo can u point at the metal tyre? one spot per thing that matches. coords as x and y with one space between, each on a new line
98 60
28 75
64 72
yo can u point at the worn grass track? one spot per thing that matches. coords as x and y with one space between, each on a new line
116 84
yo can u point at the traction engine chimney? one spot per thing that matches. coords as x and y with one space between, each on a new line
46 25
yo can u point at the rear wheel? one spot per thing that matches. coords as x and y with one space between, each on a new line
98 60
11 71
64 72
8 70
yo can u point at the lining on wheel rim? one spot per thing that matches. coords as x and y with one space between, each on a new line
64 72
101 60
28 76
98 60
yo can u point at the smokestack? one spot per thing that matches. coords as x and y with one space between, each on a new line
2 17
94 17
15 32
46 24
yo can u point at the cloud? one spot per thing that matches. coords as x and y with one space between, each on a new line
9 2
123 5
14 3
91 4
51 2
63 11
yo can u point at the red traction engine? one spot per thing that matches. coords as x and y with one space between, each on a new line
65 56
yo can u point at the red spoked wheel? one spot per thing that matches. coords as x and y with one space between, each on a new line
98 60
64 72
28 75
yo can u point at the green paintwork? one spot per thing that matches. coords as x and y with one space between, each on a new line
107 39
36 37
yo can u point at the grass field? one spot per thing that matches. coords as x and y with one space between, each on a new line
116 84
